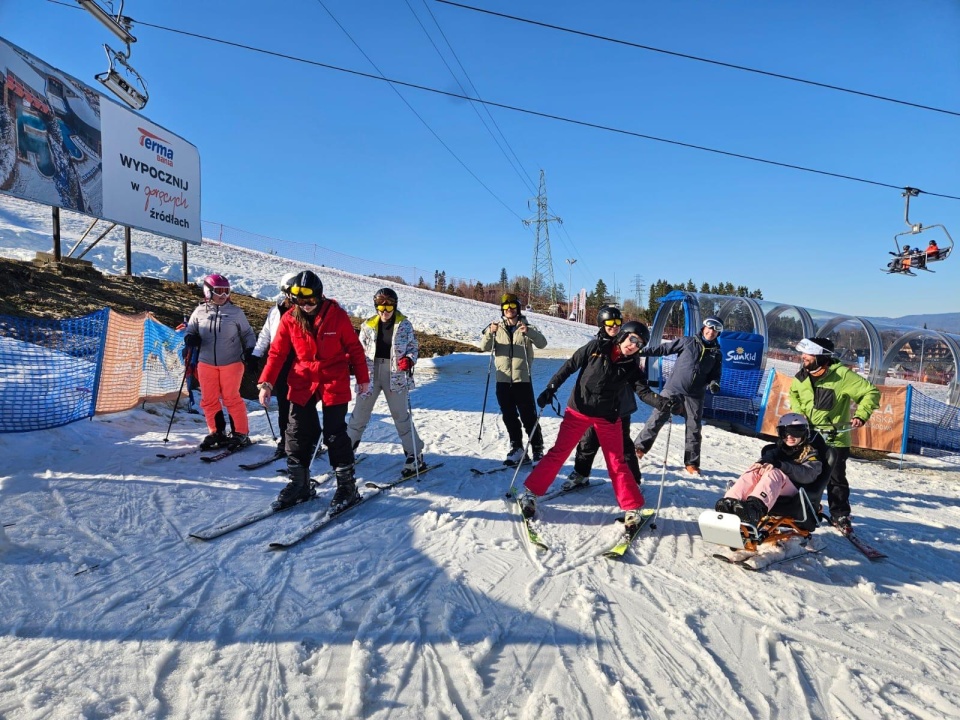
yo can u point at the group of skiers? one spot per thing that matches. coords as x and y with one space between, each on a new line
312 351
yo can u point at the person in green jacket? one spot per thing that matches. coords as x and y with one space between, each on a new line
822 391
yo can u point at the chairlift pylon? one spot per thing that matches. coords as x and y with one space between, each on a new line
906 259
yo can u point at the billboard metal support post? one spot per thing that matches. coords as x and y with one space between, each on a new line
126 247
57 256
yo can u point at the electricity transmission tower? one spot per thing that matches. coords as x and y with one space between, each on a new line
638 288
541 277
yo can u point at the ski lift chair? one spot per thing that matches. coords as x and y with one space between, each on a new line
918 259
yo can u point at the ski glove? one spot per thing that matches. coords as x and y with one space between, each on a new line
714 387
769 457
677 407
663 403
404 364
546 397
191 340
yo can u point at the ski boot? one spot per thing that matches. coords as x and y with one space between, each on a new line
297 490
346 494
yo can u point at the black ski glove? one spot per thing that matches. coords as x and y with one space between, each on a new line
714 387
677 407
663 404
546 397
191 340
769 457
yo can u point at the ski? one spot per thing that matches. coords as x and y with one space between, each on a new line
402 479
226 452
329 516
864 547
278 455
244 521
490 471
181 454
769 556
532 535
512 493
617 551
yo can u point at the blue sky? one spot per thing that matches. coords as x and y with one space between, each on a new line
309 154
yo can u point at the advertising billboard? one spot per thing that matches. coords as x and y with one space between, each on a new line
64 144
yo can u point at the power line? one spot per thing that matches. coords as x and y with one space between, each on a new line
536 113
418 115
710 61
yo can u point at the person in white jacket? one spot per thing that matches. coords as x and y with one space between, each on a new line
392 350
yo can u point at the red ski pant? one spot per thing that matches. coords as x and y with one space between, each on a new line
222 383
764 483
572 428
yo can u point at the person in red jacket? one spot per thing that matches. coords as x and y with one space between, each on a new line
318 331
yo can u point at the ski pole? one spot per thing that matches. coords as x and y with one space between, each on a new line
266 411
663 474
486 390
316 449
176 402
413 427
556 408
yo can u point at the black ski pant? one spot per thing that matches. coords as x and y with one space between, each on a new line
589 445
838 489
518 406
303 433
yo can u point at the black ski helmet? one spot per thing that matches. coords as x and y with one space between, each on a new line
608 312
307 284
385 296
634 327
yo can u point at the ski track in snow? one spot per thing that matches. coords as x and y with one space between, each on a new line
428 601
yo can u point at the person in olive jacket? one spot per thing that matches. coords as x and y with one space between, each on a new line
512 341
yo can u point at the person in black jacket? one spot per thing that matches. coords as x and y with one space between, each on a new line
609 320
697 369
604 369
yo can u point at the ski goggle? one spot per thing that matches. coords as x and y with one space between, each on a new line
308 301
795 431
615 322
385 308
713 324
635 340
299 291
220 291
509 306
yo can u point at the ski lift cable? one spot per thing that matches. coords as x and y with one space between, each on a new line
536 113
720 63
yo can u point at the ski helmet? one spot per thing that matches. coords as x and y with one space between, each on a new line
385 296
215 284
793 425
307 285
634 327
509 298
609 312
286 282
713 322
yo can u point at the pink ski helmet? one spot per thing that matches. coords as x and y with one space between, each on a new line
215 284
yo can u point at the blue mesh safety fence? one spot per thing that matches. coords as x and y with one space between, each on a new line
162 361
933 426
49 370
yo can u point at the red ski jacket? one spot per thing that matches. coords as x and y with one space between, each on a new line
322 367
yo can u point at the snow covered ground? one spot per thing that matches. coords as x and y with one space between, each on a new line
428 602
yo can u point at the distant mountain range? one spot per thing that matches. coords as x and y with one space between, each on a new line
944 322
